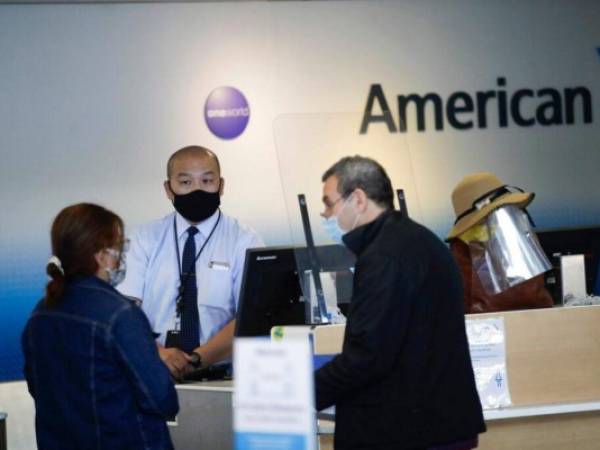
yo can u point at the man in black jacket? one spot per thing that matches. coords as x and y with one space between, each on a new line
404 379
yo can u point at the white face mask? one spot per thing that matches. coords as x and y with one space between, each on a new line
116 276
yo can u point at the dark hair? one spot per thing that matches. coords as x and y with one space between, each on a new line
78 233
191 149
354 172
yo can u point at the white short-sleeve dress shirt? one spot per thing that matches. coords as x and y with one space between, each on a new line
153 271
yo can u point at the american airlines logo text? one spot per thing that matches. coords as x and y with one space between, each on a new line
522 107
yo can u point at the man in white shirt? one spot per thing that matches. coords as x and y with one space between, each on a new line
186 268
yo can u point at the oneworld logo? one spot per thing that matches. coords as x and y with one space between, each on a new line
463 111
226 112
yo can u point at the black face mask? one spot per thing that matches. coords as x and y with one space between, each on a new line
196 206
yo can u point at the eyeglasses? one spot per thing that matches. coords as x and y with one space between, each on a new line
117 252
329 204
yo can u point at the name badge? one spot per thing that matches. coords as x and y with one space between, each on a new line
218 265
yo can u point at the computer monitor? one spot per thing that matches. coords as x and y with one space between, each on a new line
271 294
570 241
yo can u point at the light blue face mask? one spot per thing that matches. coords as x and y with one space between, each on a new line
116 276
332 227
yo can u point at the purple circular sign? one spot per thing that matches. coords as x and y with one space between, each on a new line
226 112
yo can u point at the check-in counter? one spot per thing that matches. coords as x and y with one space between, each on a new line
205 419
553 366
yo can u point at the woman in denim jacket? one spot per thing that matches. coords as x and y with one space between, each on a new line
91 362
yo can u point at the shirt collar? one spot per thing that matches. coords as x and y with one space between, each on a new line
205 227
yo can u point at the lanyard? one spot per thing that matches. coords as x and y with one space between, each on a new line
183 280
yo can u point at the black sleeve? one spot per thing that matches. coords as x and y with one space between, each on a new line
149 377
377 323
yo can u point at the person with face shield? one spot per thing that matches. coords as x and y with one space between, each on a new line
91 363
499 256
404 378
186 268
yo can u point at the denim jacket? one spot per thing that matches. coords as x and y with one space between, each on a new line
93 369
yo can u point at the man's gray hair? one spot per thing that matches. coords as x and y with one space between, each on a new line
357 171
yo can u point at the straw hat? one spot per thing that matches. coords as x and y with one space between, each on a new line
477 195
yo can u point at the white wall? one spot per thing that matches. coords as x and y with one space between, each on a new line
95 97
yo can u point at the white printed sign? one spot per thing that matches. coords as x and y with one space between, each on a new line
273 397
487 342
572 269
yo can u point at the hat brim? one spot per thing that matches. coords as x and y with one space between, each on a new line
520 199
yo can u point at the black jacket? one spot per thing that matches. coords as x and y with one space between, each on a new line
404 379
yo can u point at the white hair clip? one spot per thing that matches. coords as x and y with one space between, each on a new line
54 260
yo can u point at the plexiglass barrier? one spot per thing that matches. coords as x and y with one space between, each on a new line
307 145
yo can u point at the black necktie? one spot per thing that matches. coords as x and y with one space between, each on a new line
190 322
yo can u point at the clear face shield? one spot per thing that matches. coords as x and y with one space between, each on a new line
504 250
